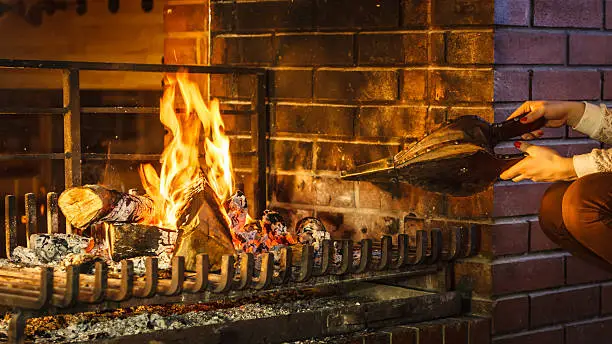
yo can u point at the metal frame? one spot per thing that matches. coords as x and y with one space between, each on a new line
72 112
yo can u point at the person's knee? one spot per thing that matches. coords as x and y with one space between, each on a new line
581 198
550 209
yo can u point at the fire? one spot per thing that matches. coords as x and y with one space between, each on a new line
197 131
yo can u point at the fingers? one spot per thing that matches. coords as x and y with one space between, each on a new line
533 135
533 115
514 171
526 147
524 108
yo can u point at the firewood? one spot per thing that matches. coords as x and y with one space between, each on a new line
86 205
203 228
129 240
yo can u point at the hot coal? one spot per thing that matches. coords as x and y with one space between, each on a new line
55 249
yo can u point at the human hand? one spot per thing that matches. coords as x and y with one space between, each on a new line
557 113
541 165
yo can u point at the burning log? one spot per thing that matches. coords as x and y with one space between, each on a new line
130 240
86 205
203 228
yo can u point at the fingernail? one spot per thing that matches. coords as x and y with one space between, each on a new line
524 119
517 144
540 132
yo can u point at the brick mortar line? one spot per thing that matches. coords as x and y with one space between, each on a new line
518 334
592 320
562 289
549 290
551 68
345 30
529 257
318 139
546 29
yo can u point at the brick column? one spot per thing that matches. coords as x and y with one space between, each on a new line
535 292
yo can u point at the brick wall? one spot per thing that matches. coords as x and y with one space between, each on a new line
536 293
350 80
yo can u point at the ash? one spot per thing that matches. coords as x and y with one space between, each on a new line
103 326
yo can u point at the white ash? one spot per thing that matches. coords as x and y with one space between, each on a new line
103 326
51 248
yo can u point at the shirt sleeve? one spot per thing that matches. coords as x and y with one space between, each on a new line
596 122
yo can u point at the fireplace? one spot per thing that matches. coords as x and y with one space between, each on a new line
307 89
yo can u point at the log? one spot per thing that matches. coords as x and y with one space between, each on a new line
203 228
130 240
89 204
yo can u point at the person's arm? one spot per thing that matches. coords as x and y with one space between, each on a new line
596 122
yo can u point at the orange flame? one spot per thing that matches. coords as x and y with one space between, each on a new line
180 160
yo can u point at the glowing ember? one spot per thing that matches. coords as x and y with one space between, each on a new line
197 131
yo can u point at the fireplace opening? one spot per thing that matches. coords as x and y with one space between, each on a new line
171 171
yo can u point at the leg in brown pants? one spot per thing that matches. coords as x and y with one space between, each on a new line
578 217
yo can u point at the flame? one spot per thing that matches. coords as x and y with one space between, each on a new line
181 166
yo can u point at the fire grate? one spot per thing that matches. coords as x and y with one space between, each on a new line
32 292
72 112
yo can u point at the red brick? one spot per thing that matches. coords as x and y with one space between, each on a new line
257 50
392 49
526 274
510 314
356 85
589 332
607 87
505 239
357 13
291 155
431 333
538 241
485 112
606 299
291 83
546 336
222 17
466 12
181 50
392 121
513 199
255 16
292 189
408 199
517 47
334 156
583 47
480 331
415 13
608 15
561 13
317 49
451 86
469 47
456 331
334 192
571 133
579 271
377 338
357 226
560 306
314 119
479 205
186 18
413 85
511 85
437 48
475 276
566 85
404 335
512 12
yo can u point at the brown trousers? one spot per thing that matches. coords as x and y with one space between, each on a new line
578 217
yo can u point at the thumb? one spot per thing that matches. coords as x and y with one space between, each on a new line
524 146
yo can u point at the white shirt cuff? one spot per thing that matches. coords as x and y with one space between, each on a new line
584 164
591 120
